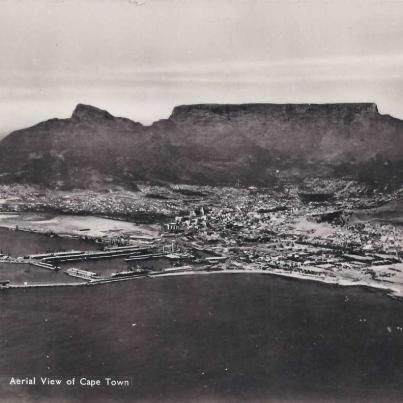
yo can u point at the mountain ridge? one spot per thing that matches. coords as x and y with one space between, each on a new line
254 143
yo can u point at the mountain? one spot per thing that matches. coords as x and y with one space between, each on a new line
208 144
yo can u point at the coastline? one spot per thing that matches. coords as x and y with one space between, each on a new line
391 292
392 289
394 293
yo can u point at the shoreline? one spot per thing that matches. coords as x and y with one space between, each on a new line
391 292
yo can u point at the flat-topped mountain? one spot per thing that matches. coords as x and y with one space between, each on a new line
203 112
208 144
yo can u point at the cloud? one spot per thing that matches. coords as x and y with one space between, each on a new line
354 68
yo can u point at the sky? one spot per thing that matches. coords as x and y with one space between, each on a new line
140 58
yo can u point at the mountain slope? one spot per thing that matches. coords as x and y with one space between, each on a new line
209 144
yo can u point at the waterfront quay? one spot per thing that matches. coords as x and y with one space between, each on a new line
109 259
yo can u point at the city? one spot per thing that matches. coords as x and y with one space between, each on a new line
323 234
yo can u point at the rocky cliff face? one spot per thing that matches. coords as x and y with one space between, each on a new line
213 113
210 144
330 132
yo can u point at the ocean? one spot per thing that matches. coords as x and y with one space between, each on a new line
204 338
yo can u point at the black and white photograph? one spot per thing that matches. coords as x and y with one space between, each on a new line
201 201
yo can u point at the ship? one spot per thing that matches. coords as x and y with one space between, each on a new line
129 273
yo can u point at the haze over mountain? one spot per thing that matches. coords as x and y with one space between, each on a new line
257 144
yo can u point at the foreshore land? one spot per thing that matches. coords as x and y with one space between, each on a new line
391 290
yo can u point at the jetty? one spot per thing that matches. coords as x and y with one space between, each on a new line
76 256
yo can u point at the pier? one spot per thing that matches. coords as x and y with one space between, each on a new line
76 256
